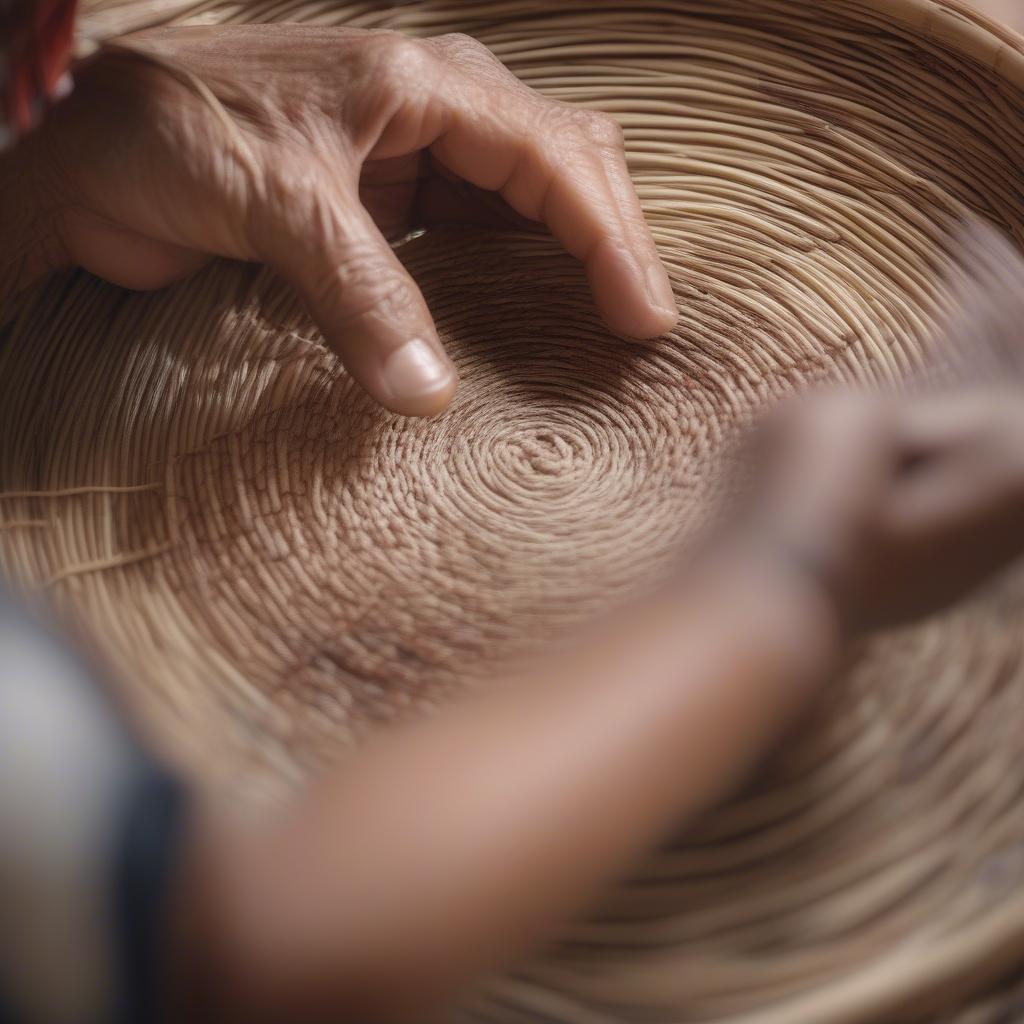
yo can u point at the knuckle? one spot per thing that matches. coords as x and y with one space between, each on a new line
458 44
402 57
404 71
590 128
364 285
604 130
472 58
564 116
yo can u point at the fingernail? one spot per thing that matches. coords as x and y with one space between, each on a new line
659 289
415 372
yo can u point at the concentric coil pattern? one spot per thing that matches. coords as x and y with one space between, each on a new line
271 565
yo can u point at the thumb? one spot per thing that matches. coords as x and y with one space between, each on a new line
369 309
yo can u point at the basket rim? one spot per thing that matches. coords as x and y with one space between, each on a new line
956 24
959 25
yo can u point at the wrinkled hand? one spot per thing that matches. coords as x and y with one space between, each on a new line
898 507
307 149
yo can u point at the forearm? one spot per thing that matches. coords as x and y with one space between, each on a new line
453 847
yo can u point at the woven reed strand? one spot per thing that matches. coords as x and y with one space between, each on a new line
271 565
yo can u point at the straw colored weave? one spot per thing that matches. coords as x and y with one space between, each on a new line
271 565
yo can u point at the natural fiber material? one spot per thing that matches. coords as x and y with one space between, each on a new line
271 564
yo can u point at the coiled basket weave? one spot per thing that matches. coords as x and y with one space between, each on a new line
271 565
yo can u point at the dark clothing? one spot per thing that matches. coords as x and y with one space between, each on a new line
90 827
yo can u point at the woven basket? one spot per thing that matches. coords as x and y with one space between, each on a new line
271 565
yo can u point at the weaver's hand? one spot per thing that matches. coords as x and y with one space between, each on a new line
308 148
900 507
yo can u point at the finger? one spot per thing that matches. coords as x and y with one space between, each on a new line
637 235
962 492
563 180
939 425
369 309
565 167
948 425
958 517
972 485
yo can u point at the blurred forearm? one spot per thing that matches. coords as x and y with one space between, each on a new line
453 847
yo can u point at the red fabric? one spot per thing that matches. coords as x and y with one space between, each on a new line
36 39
